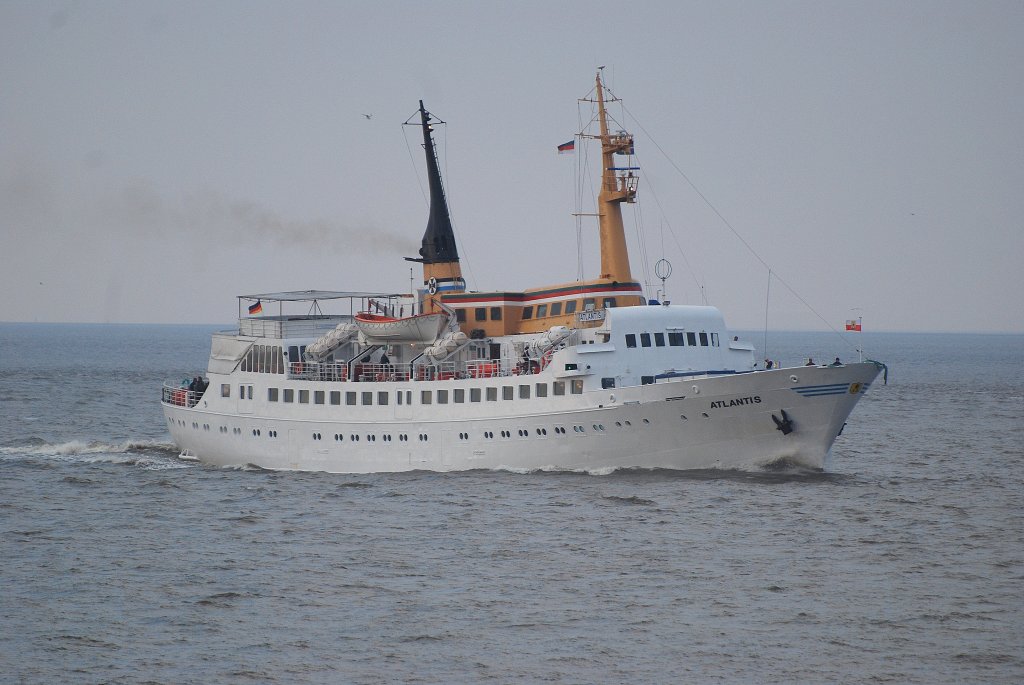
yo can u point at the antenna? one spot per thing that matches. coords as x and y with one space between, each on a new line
663 269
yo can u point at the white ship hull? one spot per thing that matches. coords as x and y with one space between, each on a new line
637 427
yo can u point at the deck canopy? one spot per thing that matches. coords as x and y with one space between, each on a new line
310 295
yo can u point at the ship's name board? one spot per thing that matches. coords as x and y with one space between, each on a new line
590 315
739 401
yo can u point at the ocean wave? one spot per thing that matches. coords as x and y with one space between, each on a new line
147 453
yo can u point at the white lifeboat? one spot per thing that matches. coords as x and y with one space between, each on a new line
421 328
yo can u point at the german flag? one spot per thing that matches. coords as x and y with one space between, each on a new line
256 308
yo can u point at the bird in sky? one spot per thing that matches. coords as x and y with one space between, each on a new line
368 116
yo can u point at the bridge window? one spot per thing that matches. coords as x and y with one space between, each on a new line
645 339
703 339
570 306
659 339
556 309
609 302
588 303
542 311
480 313
527 312
460 315
675 339
691 339
495 313
630 339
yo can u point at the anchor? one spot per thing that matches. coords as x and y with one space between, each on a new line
785 424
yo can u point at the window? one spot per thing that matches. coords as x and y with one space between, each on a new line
542 390
460 315
703 339
492 394
570 306
271 394
609 302
507 392
398 396
442 397
577 386
480 313
558 388
659 339
350 399
588 303
382 398
495 313
607 383
318 397
714 339
645 339
289 395
367 399
542 311
630 339
524 392
335 397
425 397
675 339
474 394
646 380
527 312
303 396
225 390
556 309
691 339
459 395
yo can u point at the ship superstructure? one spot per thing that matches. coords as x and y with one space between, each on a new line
581 375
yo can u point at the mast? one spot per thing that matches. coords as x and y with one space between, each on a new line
438 252
616 188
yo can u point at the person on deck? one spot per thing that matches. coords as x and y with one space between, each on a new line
837 362
810 362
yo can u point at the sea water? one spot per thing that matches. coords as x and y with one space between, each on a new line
902 562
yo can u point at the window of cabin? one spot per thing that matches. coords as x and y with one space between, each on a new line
271 394
460 315
691 339
609 302
558 388
425 396
556 309
524 392
474 394
630 339
398 397
442 397
675 339
527 312
480 313
318 397
495 313
459 395
703 339
607 383
588 303
335 397
659 339
542 311
303 396
350 399
289 395
577 386
714 339
225 390
492 394
507 392
382 397
570 306
367 399
645 339
542 390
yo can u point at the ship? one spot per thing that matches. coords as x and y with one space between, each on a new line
588 375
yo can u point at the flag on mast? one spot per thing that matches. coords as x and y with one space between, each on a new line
853 325
567 148
256 308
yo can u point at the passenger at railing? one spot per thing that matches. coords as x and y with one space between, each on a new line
810 361
837 362
768 363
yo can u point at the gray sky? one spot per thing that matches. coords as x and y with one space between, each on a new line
159 158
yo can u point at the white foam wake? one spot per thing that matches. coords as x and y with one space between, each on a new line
146 453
